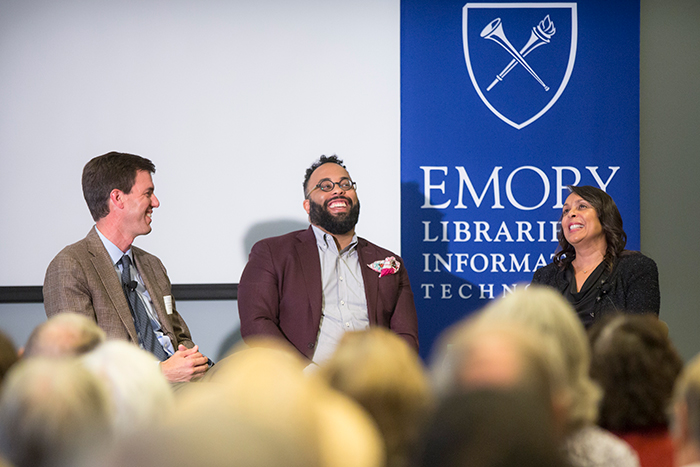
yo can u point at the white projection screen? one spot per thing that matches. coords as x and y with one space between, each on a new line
232 100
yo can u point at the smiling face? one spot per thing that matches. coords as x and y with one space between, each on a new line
139 204
334 211
580 224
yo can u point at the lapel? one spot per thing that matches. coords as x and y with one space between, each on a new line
148 275
367 254
307 252
110 281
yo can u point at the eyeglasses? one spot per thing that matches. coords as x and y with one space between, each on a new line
327 185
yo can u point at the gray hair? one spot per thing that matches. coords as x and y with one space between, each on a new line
544 311
64 335
478 353
51 413
140 394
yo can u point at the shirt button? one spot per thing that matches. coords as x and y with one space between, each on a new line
341 278
347 325
342 302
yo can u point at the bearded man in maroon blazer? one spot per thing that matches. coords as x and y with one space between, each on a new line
311 286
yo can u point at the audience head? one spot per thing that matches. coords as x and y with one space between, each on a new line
349 436
610 221
110 171
477 354
267 382
636 364
378 369
8 355
139 393
548 316
491 427
254 410
64 335
685 426
51 413
258 409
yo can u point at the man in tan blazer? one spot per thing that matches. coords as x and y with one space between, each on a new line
86 277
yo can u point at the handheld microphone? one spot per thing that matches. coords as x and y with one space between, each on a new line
131 285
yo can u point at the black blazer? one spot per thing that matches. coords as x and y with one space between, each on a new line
632 286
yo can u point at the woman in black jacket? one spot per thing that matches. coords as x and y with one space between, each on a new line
591 268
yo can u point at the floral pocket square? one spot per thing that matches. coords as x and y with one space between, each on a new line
385 266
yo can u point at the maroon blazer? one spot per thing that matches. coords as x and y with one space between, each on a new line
280 292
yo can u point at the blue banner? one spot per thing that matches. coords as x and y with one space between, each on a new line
502 106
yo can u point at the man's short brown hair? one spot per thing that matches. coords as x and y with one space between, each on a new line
109 171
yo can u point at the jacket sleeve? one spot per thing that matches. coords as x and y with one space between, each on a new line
66 288
258 295
404 320
537 276
641 283
544 275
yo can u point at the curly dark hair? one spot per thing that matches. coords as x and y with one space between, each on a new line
610 220
109 171
322 160
636 364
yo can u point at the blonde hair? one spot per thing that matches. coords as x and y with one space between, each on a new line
384 375
258 408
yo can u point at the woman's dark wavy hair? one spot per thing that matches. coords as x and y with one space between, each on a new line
634 361
610 219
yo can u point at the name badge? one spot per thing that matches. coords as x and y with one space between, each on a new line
168 300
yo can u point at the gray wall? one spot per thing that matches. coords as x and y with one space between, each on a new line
670 166
670 171
214 324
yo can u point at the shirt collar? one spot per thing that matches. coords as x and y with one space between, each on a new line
114 252
325 240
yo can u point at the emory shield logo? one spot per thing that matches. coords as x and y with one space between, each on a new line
520 56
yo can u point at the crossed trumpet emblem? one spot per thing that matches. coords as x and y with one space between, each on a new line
540 35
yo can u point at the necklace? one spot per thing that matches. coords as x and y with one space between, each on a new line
590 268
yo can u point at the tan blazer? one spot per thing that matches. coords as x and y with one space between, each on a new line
82 279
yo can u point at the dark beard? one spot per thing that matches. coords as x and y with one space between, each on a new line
336 225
